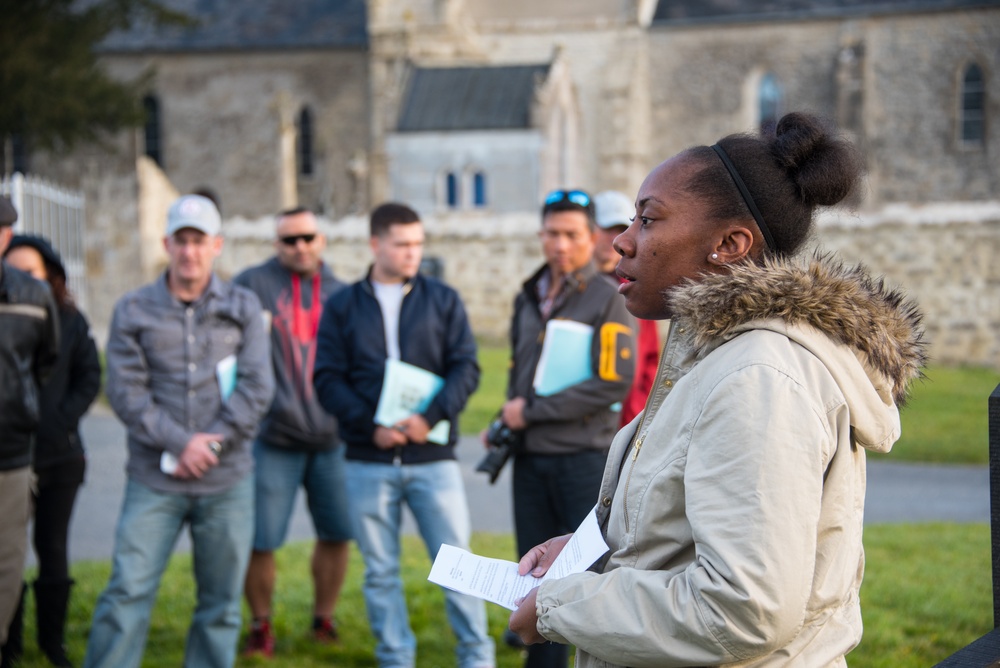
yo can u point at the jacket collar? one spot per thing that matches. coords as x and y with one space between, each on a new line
215 289
844 303
575 282
408 284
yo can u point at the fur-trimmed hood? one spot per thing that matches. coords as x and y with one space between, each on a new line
844 303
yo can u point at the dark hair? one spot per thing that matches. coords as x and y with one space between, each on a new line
60 291
803 163
565 204
293 212
391 213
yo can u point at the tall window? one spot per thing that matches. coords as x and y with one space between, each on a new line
451 190
305 147
479 189
769 96
973 106
154 146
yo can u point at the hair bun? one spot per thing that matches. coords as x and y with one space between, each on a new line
823 165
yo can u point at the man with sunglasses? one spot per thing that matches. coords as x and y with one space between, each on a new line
298 443
567 433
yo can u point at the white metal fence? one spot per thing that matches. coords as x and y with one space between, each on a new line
48 210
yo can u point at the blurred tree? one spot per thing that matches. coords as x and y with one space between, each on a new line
53 91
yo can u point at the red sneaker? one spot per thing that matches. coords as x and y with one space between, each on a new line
325 631
260 642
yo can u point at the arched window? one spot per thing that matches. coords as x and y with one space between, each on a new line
973 130
769 100
154 144
305 147
479 189
451 190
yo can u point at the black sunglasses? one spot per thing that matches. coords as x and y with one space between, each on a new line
293 239
578 197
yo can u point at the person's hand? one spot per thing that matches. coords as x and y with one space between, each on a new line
539 559
512 413
524 620
415 428
387 438
197 456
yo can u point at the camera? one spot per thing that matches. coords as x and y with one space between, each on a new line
504 442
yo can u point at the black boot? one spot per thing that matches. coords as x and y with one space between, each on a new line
13 649
51 601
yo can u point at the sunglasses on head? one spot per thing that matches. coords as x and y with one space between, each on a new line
577 197
293 239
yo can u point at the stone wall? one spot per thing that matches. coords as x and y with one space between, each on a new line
943 256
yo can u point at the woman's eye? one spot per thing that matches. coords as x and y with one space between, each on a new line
644 220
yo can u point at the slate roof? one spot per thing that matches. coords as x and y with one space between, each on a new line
239 25
470 98
684 12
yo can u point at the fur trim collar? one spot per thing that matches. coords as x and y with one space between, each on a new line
845 303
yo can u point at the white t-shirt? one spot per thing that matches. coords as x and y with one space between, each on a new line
390 300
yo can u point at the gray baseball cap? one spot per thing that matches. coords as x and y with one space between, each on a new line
8 214
195 212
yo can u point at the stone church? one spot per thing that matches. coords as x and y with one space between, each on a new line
471 110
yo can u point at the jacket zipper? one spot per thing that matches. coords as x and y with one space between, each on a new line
640 436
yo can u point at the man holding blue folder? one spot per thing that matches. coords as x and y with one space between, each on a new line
396 363
572 363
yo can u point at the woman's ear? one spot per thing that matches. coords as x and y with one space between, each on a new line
734 245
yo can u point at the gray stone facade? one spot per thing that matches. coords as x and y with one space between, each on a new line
637 81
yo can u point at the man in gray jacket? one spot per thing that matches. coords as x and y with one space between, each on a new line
189 374
568 419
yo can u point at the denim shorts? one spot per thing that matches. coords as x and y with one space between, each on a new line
278 473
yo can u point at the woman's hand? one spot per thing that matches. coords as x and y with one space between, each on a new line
524 620
539 559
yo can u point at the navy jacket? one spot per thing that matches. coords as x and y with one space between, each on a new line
434 334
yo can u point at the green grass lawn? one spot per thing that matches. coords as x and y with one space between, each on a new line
945 420
926 594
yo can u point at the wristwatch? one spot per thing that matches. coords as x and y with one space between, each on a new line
215 447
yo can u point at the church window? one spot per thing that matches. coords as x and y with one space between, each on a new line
769 99
973 129
305 142
153 130
479 189
451 190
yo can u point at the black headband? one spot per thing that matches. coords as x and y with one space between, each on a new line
768 239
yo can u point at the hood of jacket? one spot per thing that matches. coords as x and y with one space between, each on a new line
870 336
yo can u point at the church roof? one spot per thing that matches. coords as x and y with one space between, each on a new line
470 98
690 12
231 25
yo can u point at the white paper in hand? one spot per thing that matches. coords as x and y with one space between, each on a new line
497 580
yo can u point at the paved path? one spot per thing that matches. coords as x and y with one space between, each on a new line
896 492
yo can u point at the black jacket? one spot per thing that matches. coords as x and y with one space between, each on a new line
434 334
72 388
29 347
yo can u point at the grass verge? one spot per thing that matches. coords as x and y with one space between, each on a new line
926 594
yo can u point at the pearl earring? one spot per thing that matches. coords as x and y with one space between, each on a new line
715 256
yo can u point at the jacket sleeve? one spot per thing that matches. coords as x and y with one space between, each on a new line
331 375
128 387
461 375
240 415
753 485
84 372
47 353
613 366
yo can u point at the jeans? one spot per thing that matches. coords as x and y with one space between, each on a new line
435 495
221 527
278 474
552 495
15 511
